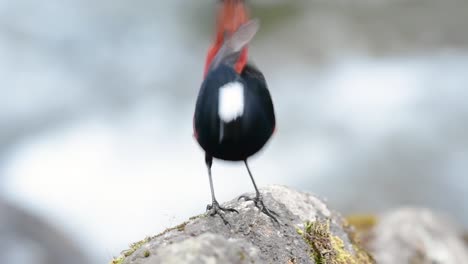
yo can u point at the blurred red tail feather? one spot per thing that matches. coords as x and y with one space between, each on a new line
230 16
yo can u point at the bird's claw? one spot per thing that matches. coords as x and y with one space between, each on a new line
258 202
216 209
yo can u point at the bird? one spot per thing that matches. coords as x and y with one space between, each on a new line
234 114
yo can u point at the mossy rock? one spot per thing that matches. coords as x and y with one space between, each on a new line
326 248
306 232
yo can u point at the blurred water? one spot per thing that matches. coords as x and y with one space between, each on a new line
97 98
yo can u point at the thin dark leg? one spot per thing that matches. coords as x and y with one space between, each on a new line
257 192
258 200
209 163
214 207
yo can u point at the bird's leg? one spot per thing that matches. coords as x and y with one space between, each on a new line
258 199
214 207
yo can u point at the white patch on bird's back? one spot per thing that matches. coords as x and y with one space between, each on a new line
231 101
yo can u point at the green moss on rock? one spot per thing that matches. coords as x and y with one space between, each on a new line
327 248
133 247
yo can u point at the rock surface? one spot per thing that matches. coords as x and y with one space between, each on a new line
417 236
308 232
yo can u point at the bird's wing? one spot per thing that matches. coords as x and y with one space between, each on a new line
232 46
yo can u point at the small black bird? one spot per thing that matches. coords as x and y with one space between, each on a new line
234 115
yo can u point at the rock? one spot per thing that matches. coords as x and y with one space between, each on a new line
207 248
416 236
25 239
307 232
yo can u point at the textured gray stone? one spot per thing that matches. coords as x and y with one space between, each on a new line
250 236
206 248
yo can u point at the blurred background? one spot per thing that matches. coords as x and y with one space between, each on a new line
97 100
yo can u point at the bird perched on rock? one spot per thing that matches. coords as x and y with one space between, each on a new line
234 114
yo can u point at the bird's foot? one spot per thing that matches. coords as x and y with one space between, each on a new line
258 201
216 209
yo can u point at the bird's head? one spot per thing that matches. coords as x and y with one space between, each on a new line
232 17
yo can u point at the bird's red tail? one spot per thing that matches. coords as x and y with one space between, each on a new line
230 16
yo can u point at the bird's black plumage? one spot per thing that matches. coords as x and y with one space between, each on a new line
245 135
